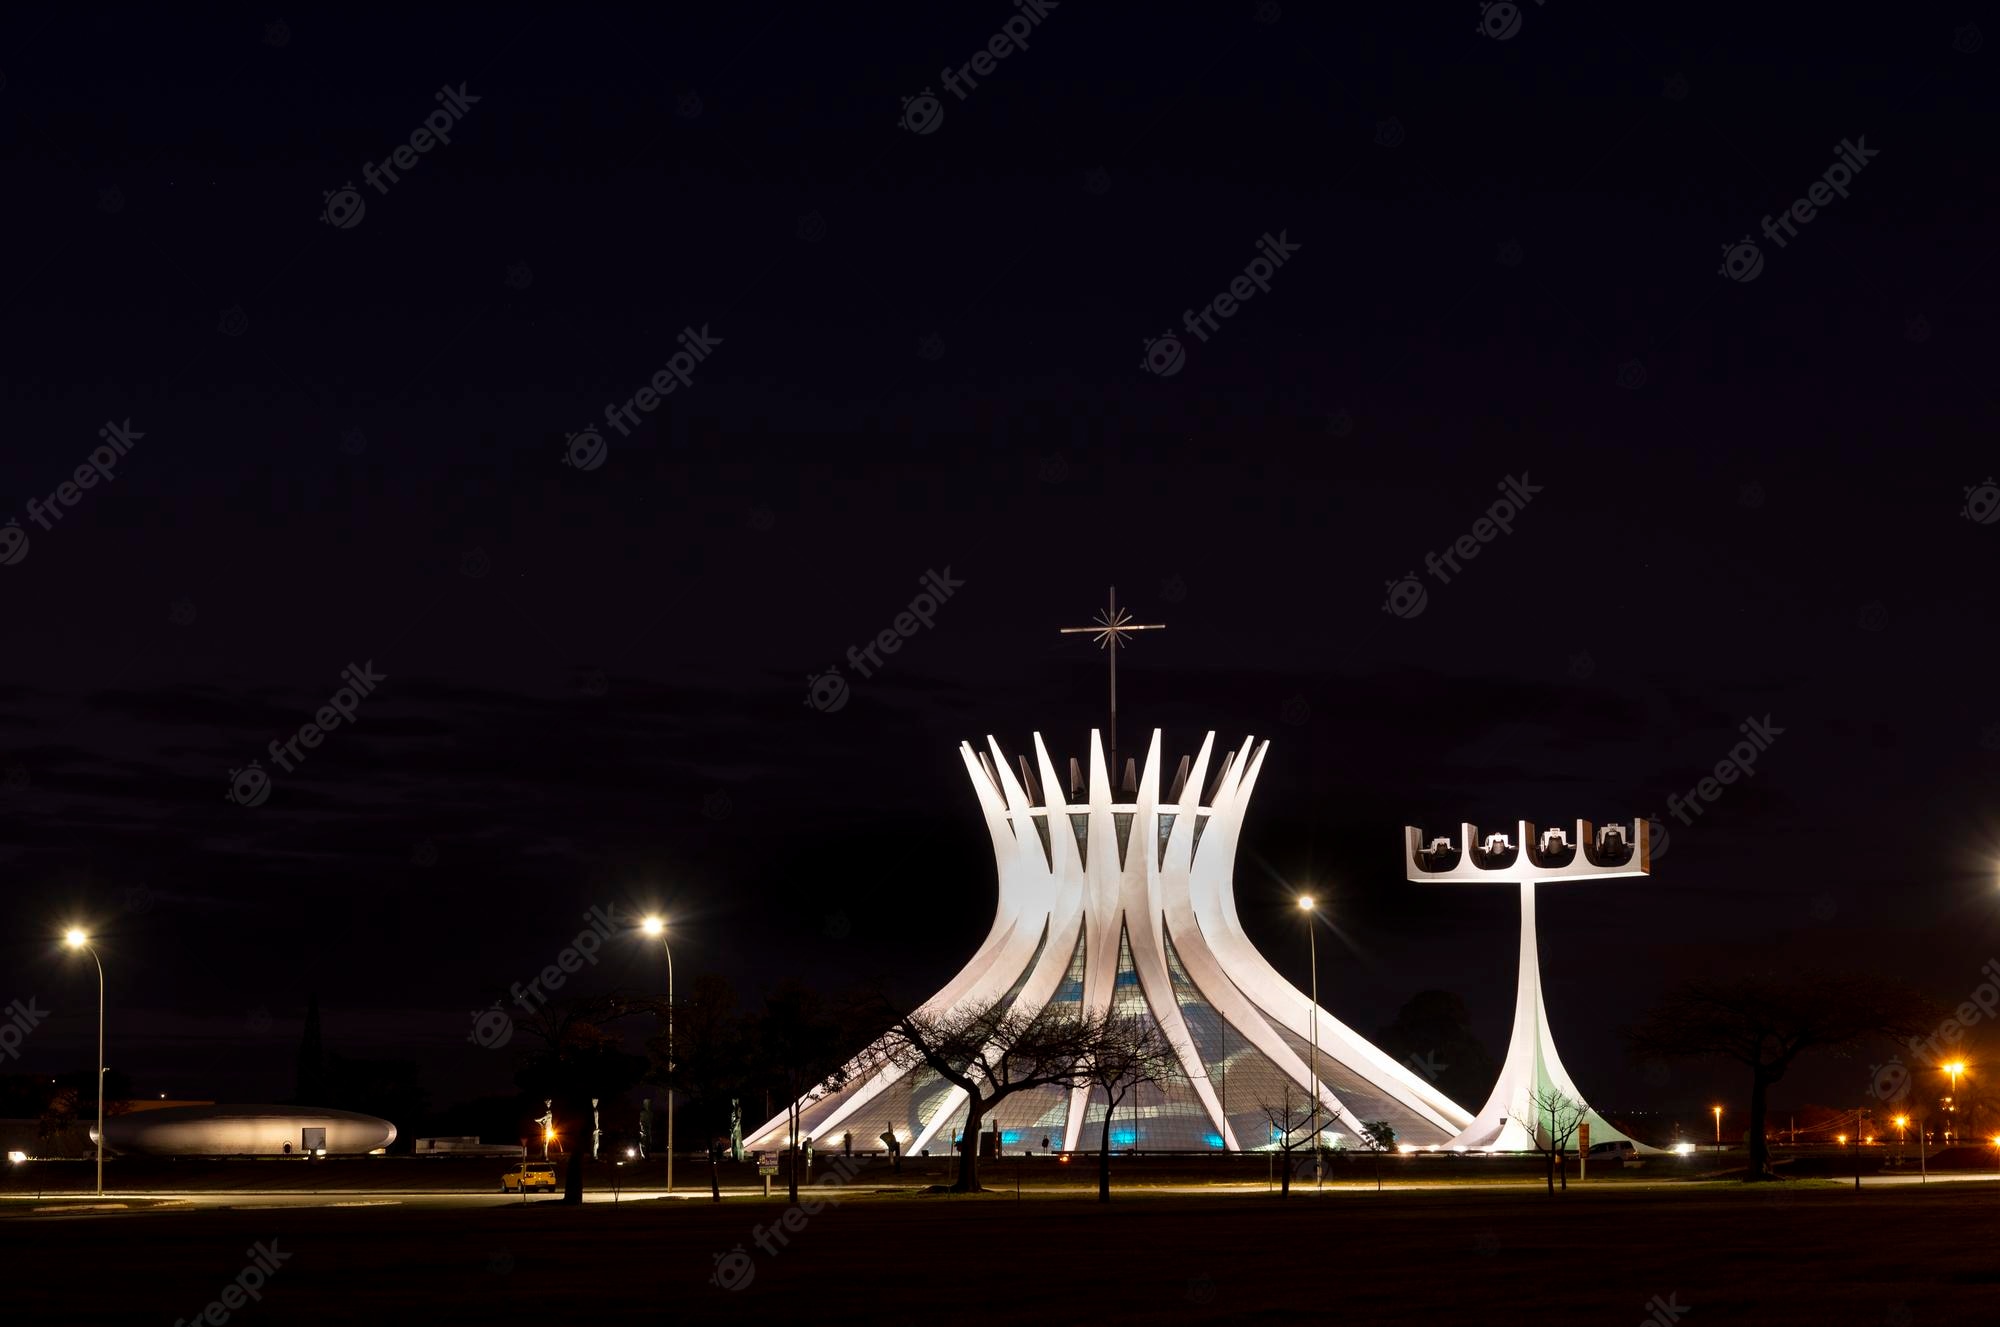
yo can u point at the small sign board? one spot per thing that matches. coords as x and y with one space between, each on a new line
1583 1135
767 1168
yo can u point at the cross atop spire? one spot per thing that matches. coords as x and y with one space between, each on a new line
1112 625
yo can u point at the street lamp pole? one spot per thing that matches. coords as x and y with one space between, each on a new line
1312 948
656 926
76 939
1718 1125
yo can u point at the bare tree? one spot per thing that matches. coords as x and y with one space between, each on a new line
990 1052
1126 1051
1551 1121
1380 1137
575 1056
799 1042
1286 1118
1764 1023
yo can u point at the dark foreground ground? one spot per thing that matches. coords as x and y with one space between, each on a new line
1808 1252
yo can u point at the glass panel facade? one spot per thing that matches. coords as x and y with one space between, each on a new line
1048 850
1164 1117
1071 990
1126 997
1079 825
1166 830
1007 1000
1122 822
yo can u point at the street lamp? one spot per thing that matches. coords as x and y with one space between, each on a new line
657 926
1718 1124
77 938
1312 948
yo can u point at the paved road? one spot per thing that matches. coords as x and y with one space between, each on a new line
157 1202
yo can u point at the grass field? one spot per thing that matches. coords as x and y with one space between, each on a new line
1811 1251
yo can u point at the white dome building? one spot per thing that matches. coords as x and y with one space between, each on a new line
1126 900
210 1131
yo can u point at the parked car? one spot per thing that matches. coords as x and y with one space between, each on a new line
1623 1151
529 1175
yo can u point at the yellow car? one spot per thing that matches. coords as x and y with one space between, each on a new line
540 1175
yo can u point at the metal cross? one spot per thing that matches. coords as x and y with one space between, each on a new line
1113 625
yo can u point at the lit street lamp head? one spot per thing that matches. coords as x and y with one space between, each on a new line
75 938
653 926
1305 903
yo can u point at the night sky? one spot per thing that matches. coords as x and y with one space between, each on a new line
386 443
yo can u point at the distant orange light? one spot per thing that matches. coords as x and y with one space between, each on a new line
1065 1158
1840 1138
